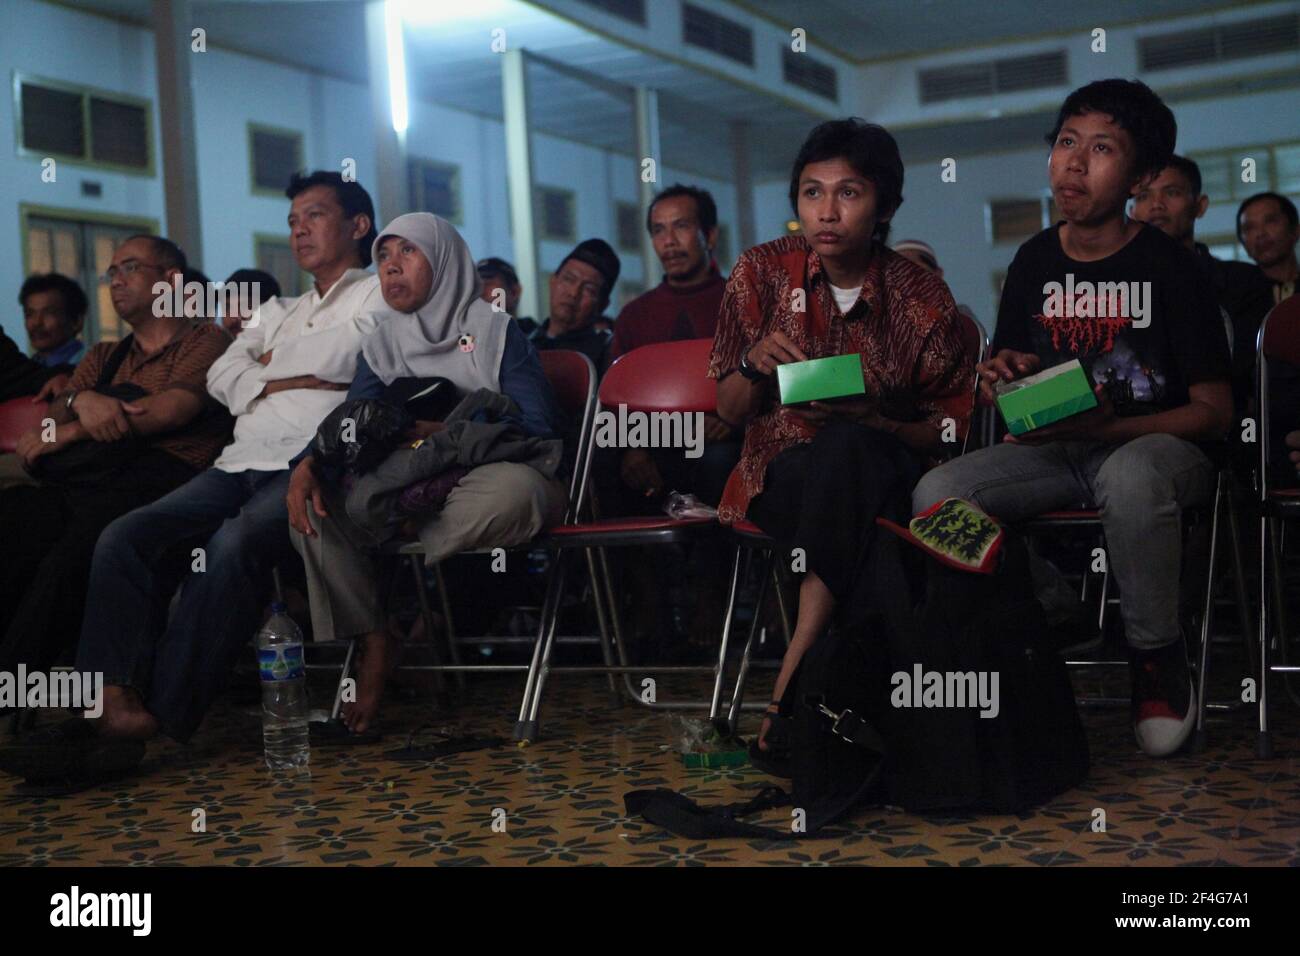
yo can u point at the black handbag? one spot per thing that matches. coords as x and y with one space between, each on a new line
853 741
91 463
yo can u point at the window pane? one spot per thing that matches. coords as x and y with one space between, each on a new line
555 214
434 188
1216 176
52 121
104 242
1013 220
275 159
67 252
276 257
1288 168
39 259
628 226
119 133
1263 172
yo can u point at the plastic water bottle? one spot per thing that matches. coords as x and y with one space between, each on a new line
284 692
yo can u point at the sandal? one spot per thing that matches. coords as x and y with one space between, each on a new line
335 733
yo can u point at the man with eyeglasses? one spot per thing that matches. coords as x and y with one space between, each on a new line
134 423
580 290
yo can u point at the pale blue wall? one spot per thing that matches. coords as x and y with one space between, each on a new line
231 90
56 43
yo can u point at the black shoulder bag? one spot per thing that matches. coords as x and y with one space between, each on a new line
89 463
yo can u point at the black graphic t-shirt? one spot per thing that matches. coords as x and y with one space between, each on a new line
1144 321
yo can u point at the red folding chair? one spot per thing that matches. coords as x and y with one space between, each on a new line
667 377
19 415
1278 340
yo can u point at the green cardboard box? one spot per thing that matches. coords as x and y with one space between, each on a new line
1046 397
819 380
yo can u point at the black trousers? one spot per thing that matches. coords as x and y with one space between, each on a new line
824 496
49 536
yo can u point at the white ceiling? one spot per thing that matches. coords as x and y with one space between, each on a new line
864 30
450 62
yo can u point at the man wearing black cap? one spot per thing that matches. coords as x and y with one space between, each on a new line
501 290
580 290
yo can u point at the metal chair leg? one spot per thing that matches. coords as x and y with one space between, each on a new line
606 651
1239 579
426 614
1105 602
616 623
526 726
738 693
1282 629
1207 617
544 671
452 648
346 672
1264 741
720 672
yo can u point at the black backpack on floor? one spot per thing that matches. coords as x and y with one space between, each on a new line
850 744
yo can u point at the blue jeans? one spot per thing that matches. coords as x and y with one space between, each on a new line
1140 488
241 523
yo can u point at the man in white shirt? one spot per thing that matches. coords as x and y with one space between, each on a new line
224 531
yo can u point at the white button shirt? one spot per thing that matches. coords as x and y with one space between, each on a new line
307 335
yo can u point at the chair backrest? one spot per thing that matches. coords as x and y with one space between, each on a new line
1279 339
976 343
19 415
573 379
664 377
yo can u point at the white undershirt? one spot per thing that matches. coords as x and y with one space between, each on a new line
845 298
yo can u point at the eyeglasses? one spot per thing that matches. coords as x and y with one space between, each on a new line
128 268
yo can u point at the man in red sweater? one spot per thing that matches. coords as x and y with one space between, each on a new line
683 224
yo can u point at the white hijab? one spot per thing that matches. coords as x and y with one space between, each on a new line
454 334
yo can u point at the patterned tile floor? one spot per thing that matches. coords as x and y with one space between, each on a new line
562 802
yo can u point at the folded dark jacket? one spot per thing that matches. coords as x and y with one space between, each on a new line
474 436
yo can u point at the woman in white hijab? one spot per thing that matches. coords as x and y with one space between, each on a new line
435 326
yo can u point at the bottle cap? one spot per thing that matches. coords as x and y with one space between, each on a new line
279 607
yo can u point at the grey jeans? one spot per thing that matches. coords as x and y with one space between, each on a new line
1139 487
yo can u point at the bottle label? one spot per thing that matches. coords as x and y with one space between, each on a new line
283 662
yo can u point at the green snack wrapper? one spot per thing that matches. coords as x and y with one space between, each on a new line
1047 397
819 380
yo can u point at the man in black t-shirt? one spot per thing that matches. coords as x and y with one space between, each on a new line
1137 311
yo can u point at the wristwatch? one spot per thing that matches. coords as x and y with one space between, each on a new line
747 370
67 402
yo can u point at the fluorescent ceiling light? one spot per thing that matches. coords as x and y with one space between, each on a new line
396 65
428 13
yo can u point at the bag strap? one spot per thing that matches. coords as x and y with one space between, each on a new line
114 362
848 726
680 815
